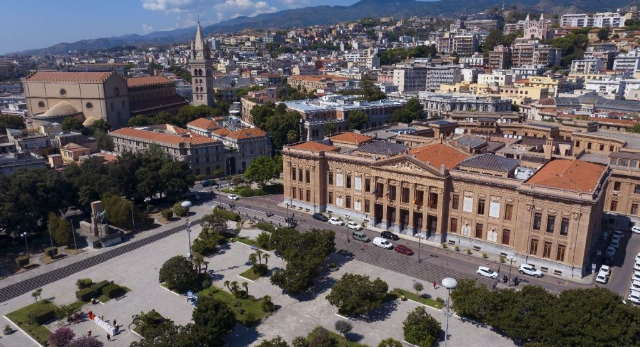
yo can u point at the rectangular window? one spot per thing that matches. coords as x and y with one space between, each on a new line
330 198
433 200
405 195
546 250
537 221
481 206
506 235
564 227
616 185
634 209
308 174
392 193
348 205
455 202
348 181
601 147
367 185
300 175
379 189
636 189
479 228
578 144
366 206
533 247
293 192
508 212
454 225
551 223
560 254
308 195
330 178
614 205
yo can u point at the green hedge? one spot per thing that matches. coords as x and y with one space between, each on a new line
226 214
22 260
83 283
51 251
43 313
266 227
86 294
113 291
167 214
99 286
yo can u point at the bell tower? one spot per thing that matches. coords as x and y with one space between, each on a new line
201 71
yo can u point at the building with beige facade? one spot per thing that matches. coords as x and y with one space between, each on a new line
549 217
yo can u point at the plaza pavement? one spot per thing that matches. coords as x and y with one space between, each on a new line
138 270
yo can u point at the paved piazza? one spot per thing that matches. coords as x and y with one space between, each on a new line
138 270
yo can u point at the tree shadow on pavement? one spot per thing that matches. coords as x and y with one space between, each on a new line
379 314
354 337
242 336
321 284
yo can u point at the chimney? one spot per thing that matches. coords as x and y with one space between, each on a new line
548 149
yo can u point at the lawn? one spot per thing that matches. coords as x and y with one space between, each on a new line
103 298
247 311
250 274
412 296
336 339
21 317
249 242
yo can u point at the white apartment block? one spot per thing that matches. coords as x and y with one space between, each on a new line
410 78
500 79
587 66
438 75
629 62
594 20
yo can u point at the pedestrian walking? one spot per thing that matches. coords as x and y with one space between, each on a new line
89 333
108 337
114 323
435 284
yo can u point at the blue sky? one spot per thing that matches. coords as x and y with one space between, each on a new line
30 24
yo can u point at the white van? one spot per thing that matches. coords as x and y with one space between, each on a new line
382 243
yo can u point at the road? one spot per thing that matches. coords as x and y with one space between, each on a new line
622 266
436 264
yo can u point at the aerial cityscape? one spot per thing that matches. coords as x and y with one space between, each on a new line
311 173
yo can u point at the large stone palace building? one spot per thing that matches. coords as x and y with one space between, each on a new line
546 212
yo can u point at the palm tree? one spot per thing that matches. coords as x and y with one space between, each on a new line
141 320
253 259
246 287
206 266
226 284
266 258
259 252
36 294
68 311
198 259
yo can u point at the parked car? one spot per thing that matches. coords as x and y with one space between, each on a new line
382 243
389 236
635 285
635 229
345 253
335 221
403 250
606 269
354 226
360 236
636 266
233 197
618 233
320 217
611 251
634 297
638 257
602 277
486 272
615 243
530 270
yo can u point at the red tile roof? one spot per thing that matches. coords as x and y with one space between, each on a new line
193 139
204 123
147 81
157 103
247 133
56 76
438 154
222 131
314 147
567 174
351 138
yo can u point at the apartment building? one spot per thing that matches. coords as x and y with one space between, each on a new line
439 75
410 77
535 54
500 57
593 20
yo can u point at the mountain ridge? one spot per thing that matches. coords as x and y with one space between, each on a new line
327 15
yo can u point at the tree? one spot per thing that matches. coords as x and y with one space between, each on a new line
60 229
146 323
213 223
401 116
62 337
100 125
493 39
36 294
72 124
299 341
634 128
343 327
471 300
214 319
86 341
138 121
177 178
10 122
357 119
369 90
418 287
356 294
415 108
261 170
420 328
330 128
105 141
178 210
390 343
320 337
179 275
603 34
168 334
275 342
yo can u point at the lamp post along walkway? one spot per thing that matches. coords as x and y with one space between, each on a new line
186 205
450 284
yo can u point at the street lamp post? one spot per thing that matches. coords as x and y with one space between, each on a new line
347 229
133 220
419 247
73 232
186 205
50 236
511 259
24 236
450 284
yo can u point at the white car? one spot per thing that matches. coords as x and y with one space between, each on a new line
530 270
486 272
605 269
635 285
382 243
602 278
636 266
354 226
335 221
233 197
638 257
634 297
635 276
611 251
636 229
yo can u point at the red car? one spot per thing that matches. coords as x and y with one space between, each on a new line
403 249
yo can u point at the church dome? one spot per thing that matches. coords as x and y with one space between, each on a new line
61 109
89 121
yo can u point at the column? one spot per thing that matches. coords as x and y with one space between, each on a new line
385 217
412 197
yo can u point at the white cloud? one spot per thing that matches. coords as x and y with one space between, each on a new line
295 3
146 28
234 8
174 6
